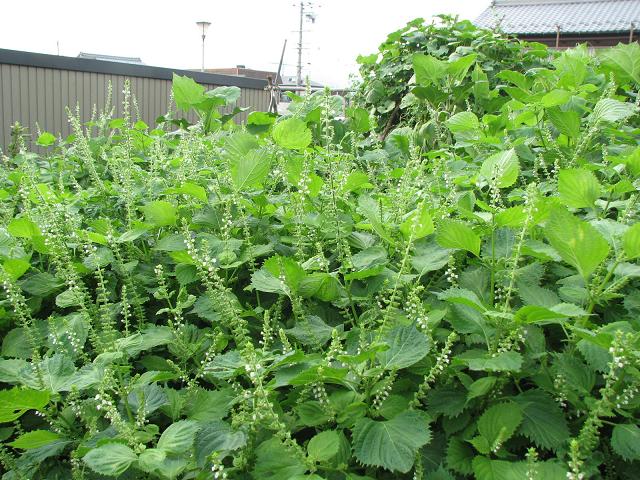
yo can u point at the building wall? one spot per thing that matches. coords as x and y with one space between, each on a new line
36 88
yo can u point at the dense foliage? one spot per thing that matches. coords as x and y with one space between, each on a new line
389 88
291 299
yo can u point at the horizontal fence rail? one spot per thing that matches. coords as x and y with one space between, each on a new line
36 89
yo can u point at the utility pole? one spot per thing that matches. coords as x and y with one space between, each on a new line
299 71
309 15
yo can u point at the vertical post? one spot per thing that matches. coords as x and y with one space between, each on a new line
299 69
631 32
557 36
203 37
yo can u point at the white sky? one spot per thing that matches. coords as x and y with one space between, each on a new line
249 32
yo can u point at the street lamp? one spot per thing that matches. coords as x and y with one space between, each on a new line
203 26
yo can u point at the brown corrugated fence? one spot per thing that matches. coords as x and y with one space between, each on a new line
36 88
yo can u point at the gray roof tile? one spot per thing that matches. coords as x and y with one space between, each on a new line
572 16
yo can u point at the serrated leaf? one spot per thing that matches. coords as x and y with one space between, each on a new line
578 188
555 98
160 213
486 469
428 69
418 224
543 421
275 462
34 439
498 423
460 456
625 441
624 61
610 110
578 243
178 437
454 234
111 459
248 171
17 401
324 446
23 228
391 444
292 134
566 122
501 169
217 436
631 241
407 346
186 92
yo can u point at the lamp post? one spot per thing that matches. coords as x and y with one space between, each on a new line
203 26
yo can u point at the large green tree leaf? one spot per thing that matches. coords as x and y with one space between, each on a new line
186 92
391 444
624 61
178 437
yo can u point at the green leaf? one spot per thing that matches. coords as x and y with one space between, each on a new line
481 387
151 459
178 437
321 285
23 228
186 92
407 346
610 110
454 234
111 459
324 446
578 243
34 439
46 139
17 401
460 456
160 213
625 441
624 61
292 134
485 469
555 98
418 224
501 169
501 362
192 189
457 69
429 70
631 241
464 125
15 267
499 422
543 421
566 122
217 436
391 444
275 462
248 171
578 188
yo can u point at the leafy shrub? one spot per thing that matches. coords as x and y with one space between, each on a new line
282 301
387 88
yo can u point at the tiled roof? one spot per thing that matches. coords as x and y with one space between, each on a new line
572 16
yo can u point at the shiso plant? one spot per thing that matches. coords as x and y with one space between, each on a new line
295 298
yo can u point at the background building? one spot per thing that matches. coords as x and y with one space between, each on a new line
565 23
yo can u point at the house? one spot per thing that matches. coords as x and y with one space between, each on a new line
243 71
565 23
111 58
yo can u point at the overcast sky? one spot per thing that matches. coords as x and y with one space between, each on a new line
249 32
